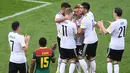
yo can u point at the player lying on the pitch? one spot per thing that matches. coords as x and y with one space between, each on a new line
42 57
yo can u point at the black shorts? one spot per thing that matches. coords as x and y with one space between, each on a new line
79 50
14 68
67 53
90 49
58 41
114 54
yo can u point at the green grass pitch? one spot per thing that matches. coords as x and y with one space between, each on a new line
40 23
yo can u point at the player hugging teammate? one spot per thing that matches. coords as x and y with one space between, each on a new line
85 38
81 28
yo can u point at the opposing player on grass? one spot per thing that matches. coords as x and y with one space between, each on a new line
68 30
18 45
90 37
117 29
60 17
42 57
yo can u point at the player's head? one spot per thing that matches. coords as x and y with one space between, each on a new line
64 5
117 12
16 26
68 11
76 10
85 7
42 42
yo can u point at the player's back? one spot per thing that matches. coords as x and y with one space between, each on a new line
118 30
68 30
43 57
16 42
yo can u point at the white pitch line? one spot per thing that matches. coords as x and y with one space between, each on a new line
35 1
26 11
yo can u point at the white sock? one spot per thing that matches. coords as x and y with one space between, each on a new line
83 64
59 62
62 67
93 66
109 67
78 67
116 68
72 68
89 68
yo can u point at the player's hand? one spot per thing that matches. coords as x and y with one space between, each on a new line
54 47
53 60
109 22
27 38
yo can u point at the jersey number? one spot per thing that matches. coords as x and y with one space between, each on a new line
64 29
44 62
122 32
12 44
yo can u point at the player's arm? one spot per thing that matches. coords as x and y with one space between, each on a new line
53 54
32 65
58 19
109 30
82 27
101 26
24 42
27 38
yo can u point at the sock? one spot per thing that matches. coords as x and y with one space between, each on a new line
62 67
83 64
78 67
72 68
109 67
93 66
59 62
89 68
116 68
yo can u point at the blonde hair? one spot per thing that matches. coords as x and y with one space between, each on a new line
68 11
78 6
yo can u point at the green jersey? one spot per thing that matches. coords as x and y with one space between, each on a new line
43 58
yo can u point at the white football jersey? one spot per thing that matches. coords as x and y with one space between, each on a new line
17 42
117 29
68 30
87 24
58 15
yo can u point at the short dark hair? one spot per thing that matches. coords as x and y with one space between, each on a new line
86 5
42 42
15 25
118 11
65 5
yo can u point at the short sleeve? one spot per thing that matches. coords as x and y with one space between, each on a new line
58 16
111 28
22 41
84 23
34 55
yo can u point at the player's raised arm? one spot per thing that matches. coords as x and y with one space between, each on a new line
60 16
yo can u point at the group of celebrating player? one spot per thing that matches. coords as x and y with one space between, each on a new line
77 38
